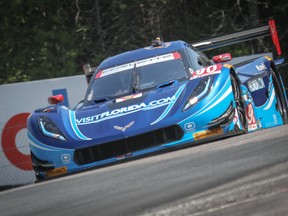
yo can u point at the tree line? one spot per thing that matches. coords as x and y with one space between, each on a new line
43 39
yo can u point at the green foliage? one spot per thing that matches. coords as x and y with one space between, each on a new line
43 39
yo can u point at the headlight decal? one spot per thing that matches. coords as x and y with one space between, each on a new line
201 90
49 129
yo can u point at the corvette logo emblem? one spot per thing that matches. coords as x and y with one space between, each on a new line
125 127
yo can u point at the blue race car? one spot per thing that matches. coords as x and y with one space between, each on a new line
159 97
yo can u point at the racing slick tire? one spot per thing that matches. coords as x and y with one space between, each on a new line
280 98
235 83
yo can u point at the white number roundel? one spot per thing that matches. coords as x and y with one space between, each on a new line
250 114
209 69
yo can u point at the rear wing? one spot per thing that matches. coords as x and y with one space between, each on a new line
241 36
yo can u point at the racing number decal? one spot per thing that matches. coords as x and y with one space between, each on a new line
12 127
250 116
213 69
210 69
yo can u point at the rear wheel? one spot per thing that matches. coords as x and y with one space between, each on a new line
280 98
239 103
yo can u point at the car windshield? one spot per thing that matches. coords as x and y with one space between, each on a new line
136 76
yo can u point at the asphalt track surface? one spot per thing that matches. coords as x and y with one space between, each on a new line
243 175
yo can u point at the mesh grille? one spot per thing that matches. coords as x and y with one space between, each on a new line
130 144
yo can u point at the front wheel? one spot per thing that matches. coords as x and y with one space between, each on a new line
239 103
281 103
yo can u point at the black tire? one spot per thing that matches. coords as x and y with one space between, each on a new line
280 98
239 103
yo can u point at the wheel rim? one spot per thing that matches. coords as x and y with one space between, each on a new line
281 104
239 104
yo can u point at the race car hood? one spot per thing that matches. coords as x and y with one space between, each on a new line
125 116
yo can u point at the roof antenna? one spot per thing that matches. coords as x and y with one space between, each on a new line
158 41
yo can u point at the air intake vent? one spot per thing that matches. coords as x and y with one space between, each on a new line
130 144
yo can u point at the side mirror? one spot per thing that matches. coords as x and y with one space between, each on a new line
55 99
222 58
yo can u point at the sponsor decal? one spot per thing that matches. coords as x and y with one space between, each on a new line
66 158
99 74
118 100
256 84
213 69
125 127
124 156
275 119
259 125
190 126
125 111
207 133
261 67
250 116
140 63
56 171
